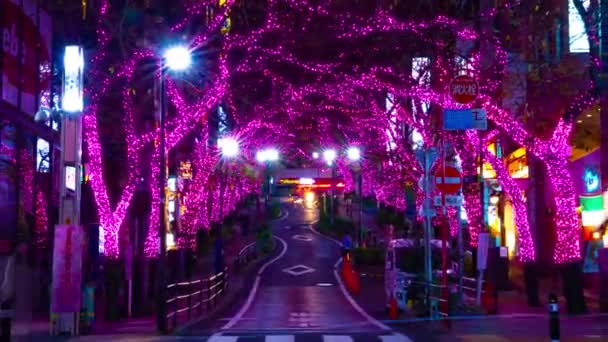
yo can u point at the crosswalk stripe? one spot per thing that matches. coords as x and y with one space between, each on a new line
337 338
218 338
394 338
280 338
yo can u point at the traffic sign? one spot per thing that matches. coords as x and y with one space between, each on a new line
448 180
450 200
461 119
464 89
429 155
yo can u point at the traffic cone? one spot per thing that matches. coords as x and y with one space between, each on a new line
346 274
393 312
355 282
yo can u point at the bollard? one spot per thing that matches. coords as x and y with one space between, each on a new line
553 307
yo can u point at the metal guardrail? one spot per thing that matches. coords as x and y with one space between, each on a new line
189 298
469 290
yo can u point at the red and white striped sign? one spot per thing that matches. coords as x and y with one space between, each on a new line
448 180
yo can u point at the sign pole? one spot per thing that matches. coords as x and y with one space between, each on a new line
444 236
427 234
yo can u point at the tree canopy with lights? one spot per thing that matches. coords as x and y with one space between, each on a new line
303 74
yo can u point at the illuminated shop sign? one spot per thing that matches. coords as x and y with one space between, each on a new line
591 177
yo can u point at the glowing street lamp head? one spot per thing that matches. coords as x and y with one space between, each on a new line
229 147
353 153
267 155
315 155
329 156
178 58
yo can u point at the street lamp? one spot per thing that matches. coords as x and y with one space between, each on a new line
329 156
177 58
229 147
354 155
266 157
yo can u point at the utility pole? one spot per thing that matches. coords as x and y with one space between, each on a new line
427 157
333 194
161 313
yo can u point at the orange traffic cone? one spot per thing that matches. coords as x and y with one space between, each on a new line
355 282
393 312
346 274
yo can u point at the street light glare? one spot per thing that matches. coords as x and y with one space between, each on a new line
353 153
315 155
178 58
267 155
329 156
229 147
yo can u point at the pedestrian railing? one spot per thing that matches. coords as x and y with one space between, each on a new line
188 299
438 293
469 289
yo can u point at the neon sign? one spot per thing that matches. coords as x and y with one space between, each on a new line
592 180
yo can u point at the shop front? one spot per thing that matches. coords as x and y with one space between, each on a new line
592 207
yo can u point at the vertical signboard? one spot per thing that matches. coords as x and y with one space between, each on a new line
67 268
8 191
482 251
26 44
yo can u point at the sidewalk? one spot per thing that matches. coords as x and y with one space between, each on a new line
516 300
28 326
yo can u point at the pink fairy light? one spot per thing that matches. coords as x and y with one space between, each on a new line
41 224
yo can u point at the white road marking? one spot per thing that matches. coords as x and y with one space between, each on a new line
337 338
298 270
219 338
300 237
256 285
394 338
347 295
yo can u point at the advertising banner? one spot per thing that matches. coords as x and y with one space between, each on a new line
26 45
8 189
67 268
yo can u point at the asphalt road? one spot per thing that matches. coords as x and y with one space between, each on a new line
298 293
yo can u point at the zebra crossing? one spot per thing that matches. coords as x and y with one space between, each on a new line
311 338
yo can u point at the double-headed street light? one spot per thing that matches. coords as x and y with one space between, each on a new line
267 157
176 58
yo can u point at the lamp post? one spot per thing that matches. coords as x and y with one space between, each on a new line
177 58
330 156
267 157
229 148
354 155
69 184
